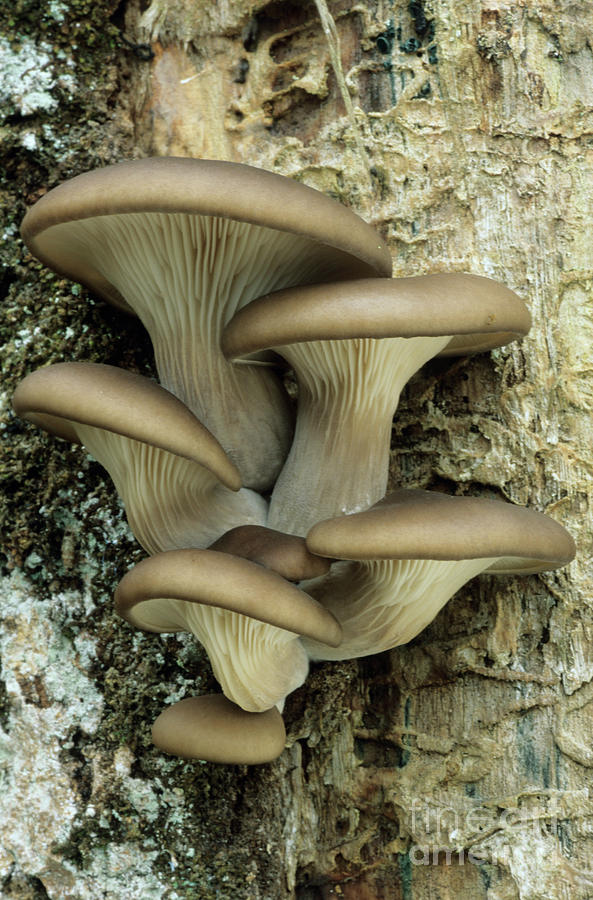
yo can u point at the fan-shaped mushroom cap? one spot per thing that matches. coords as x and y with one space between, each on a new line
212 728
197 187
58 397
247 617
411 552
478 313
353 346
211 578
185 243
416 524
178 486
286 554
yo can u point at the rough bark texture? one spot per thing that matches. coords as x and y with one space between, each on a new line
466 140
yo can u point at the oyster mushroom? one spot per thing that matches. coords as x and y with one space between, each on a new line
353 346
212 728
411 552
185 243
247 617
285 554
178 486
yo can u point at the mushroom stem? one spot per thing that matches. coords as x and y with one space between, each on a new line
193 276
242 651
334 467
381 604
256 665
247 617
348 392
170 502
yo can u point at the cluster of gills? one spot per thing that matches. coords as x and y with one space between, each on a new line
271 541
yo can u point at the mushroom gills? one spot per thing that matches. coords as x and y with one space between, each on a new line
170 501
185 276
348 393
408 554
247 617
353 345
257 665
381 604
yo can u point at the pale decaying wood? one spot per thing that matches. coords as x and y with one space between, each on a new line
476 738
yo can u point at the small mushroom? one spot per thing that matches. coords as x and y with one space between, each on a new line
185 243
178 486
411 552
285 554
353 346
247 617
212 728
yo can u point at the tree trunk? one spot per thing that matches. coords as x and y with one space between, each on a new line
459 765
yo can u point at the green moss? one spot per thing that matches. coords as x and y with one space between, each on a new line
44 318
21 886
63 524
75 25
405 869
4 706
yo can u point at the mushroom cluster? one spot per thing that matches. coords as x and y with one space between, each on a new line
271 541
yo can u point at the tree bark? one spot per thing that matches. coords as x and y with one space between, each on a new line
456 766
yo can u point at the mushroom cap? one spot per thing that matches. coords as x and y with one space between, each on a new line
196 186
219 579
416 524
124 403
285 554
478 312
212 728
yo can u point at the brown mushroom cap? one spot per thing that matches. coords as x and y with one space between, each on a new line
197 186
480 313
212 728
184 243
353 346
416 524
411 552
217 579
121 402
285 554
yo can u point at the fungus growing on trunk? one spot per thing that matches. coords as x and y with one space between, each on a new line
248 618
185 243
353 346
285 554
178 486
212 728
189 246
411 552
